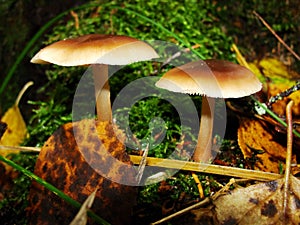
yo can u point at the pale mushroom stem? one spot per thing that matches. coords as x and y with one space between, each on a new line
204 143
102 92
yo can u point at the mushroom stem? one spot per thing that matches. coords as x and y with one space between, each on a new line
102 92
204 143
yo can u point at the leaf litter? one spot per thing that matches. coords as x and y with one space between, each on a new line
274 202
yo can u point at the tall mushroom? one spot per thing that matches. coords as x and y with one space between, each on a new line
211 79
98 50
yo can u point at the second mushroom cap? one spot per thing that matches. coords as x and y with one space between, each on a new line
212 78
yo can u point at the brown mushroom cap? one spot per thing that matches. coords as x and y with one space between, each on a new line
212 78
95 49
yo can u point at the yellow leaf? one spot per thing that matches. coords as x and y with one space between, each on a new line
254 136
276 78
16 127
16 130
280 79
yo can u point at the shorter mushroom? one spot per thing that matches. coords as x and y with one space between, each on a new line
98 50
211 79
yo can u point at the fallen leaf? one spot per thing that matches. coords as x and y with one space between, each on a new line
276 78
254 138
16 130
259 204
74 159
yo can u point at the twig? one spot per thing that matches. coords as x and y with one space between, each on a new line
226 188
273 115
199 204
288 154
179 53
278 38
284 94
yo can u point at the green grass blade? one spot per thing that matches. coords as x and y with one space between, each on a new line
272 114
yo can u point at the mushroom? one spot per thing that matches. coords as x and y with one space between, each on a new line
98 50
211 79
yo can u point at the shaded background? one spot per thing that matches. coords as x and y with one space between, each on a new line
20 20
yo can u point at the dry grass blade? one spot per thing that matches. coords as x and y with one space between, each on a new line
183 165
142 164
207 168
20 148
82 217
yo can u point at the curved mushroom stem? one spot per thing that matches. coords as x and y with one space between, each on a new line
204 142
102 92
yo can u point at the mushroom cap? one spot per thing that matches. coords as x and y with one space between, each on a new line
212 78
95 49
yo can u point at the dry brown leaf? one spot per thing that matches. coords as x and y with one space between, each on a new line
62 164
253 136
259 204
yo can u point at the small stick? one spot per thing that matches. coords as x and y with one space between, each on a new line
179 53
274 33
288 154
284 94
199 204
